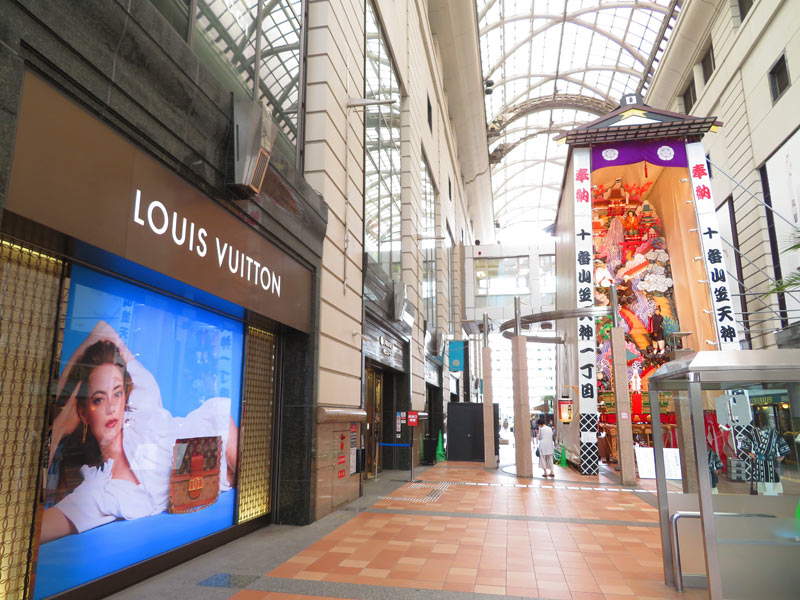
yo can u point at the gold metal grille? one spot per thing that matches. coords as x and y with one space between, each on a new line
29 297
255 463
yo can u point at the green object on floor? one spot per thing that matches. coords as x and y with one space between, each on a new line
563 460
440 455
797 521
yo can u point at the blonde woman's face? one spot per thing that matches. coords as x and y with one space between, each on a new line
105 403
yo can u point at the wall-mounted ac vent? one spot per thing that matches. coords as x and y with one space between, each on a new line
253 137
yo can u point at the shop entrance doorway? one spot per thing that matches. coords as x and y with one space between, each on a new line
374 407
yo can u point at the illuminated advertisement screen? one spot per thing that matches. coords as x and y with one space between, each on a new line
144 441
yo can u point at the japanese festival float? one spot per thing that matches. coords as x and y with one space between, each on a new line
636 218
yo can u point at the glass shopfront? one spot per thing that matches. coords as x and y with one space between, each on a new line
734 524
142 327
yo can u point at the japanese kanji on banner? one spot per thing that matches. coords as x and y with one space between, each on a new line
720 283
584 281
584 295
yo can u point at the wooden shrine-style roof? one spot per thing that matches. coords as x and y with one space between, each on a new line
638 121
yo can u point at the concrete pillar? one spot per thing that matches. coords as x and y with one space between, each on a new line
522 409
490 459
627 466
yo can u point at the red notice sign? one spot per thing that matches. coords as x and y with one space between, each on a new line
413 418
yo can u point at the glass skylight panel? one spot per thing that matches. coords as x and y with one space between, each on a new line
554 56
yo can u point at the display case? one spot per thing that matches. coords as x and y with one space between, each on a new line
732 523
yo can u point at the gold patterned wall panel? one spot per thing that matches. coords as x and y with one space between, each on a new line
255 459
29 296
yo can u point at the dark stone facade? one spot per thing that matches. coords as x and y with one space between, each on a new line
123 62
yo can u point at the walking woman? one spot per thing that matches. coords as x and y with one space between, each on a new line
546 448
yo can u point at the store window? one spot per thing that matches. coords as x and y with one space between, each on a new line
382 236
428 245
498 280
166 377
547 279
779 78
689 96
708 63
226 37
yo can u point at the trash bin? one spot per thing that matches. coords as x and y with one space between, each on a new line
428 451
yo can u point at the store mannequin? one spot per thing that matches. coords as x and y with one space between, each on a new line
765 448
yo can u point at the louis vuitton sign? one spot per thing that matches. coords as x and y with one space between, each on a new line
74 174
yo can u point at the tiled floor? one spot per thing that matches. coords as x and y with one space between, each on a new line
461 531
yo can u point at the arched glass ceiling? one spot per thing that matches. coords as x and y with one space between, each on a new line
554 65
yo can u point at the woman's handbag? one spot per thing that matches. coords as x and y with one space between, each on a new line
194 482
537 452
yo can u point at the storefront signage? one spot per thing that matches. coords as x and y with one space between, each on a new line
101 189
413 418
155 216
381 346
433 373
721 285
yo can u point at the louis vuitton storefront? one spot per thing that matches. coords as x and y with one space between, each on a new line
157 359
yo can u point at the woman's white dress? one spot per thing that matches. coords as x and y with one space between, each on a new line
149 432
546 447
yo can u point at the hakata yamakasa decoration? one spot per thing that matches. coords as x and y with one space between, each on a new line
636 213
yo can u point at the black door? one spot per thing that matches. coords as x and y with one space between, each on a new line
465 431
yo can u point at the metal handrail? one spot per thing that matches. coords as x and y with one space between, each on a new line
676 549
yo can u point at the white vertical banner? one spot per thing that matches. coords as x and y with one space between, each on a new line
720 283
584 282
584 296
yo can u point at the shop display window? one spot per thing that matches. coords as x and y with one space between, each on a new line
146 417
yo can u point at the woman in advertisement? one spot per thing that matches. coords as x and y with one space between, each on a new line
128 437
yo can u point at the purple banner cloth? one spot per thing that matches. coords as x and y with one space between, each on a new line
665 153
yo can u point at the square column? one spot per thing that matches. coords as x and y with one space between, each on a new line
489 457
522 409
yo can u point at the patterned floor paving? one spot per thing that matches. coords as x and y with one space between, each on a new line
456 532
461 528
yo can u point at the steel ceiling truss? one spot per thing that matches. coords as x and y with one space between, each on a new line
615 55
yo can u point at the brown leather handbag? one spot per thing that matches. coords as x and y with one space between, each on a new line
194 482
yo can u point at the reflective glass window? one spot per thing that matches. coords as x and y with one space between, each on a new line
428 245
506 277
382 237
225 39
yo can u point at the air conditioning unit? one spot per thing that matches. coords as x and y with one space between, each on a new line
254 134
439 340
402 309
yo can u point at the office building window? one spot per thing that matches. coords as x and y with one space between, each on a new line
382 236
428 246
689 96
744 8
547 279
708 63
498 280
779 78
